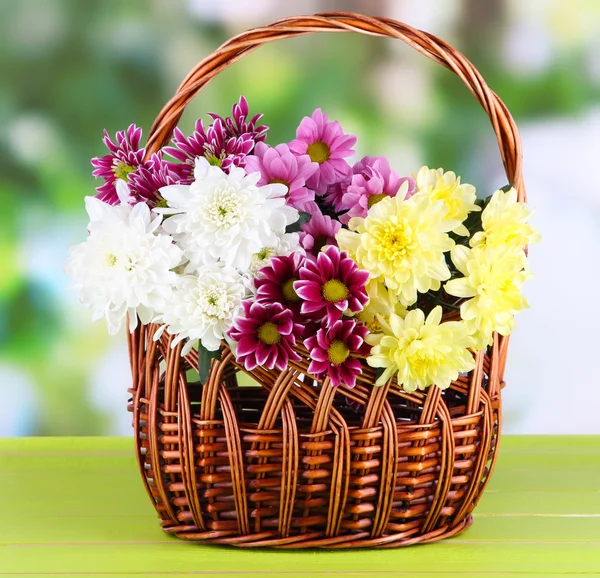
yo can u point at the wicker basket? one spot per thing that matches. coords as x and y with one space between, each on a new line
291 465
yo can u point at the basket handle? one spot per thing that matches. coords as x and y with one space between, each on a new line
503 124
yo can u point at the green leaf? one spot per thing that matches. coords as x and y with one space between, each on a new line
297 226
507 187
205 358
379 372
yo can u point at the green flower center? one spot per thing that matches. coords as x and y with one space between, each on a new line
268 333
121 170
289 293
374 199
338 352
162 203
318 152
213 160
264 253
334 291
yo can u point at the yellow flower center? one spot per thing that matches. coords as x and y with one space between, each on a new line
111 259
122 170
334 291
289 293
393 241
268 333
374 199
338 352
279 182
318 152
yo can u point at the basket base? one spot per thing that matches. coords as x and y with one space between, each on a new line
317 540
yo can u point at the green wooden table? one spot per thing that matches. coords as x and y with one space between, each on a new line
76 507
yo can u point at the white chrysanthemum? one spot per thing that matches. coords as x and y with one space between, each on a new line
203 306
124 266
284 245
224 216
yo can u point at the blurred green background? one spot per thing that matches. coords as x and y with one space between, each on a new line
70 68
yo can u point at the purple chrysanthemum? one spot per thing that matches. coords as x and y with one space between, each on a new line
125 156
225 143
318 232
279 165
327 144
275 282
332 348
372 181
265 336
330 285
146 181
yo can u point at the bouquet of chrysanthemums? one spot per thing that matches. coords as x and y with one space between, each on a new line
279 252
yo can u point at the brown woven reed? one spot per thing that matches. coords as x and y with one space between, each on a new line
288 464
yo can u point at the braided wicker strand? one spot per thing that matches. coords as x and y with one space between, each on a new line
290 465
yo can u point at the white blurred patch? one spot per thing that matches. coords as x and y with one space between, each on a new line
244 13
19 409
109 382
552 375
38 27
528 47
32 138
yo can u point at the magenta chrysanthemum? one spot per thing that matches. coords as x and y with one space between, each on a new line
145 182
372 180
279 165
275 283
325 143
318 232
265 336
330 285
225 143
124 158
332 348
238 124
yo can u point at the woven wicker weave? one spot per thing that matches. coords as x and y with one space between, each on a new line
291 465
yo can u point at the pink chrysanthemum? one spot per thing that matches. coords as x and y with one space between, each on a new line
334 195
325 143
124 158
332 348
279 165
145 182
330 285
275 282
372 181
318 232
225 143
265 336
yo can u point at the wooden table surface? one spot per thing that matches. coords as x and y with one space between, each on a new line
76 507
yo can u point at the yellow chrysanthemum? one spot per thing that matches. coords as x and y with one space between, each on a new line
505 222
403 242
421 351
382 303
493 278
446 186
